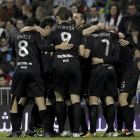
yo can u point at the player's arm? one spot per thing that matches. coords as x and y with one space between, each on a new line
82 50
93 28
30 28
117 35
41 42
88 46
109 59
126 43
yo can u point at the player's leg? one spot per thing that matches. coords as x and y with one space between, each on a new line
93 115
132 111
50 104
110 113
75 99
70 115
40 101
126 112
21 106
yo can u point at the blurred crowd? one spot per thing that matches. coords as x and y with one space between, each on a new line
119 16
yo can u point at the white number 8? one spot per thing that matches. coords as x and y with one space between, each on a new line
68 36
22 48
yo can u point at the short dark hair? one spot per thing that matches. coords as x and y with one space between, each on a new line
4 76
55 6
62 12
4 68
9 20
20 19
134 28
1 37
131 3
94 6
47 21
83 16
32 21
95 22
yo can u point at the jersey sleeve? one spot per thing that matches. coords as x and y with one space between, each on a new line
82 42
88 43
114 35
41 42
50 38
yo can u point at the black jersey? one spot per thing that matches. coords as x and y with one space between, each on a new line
61 33
28 48
45 60
101 44
126 59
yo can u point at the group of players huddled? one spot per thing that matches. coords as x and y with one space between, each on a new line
58 65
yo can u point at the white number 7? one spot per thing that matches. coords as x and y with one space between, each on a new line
107 46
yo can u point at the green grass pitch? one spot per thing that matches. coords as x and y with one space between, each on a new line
137 137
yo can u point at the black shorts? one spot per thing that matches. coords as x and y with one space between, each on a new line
129 81
67 80
27 85
103 82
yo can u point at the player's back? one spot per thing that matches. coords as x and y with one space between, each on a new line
126 60
27 53
102 44
66 32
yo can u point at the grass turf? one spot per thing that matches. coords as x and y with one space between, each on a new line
137 137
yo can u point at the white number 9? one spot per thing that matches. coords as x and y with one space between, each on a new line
22 48
67 38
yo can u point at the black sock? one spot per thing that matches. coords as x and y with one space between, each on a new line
34 117
70 116
132 113
59 110
105 113
20 115
84 127
65 113
51 110
93 116
111 112
77 116
13 118
45 119
119 118
126 116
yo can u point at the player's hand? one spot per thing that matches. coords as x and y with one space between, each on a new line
40 30
102 25
64 46
123 42
96 60
4 49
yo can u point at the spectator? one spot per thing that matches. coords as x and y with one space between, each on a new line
41 12
7 12
3 83
111 28
48 4
82 7
4 70
2 4
109 3
10 30
73 9
95 16
138 63
135 36
124 4
19 24
136 53
27 11
18 11
132 17
114 17
6 54
53 11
